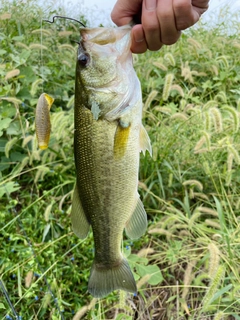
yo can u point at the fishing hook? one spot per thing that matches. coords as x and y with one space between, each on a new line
62 17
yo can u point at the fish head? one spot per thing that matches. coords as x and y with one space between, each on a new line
104 71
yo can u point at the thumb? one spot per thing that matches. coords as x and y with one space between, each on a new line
125 10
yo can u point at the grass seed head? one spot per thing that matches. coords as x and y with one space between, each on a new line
213 260
217 119
11 74
152 95
170 59
160 65
232 150
167 86
235 117
214 284
188 276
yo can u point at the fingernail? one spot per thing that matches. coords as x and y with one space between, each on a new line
151 4
138 38
138 34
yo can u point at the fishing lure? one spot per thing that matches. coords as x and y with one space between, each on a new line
42 120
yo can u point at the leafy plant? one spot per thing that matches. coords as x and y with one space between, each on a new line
187 265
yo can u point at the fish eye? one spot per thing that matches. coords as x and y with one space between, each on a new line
83 59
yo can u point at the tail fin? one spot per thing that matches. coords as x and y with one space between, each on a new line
103 281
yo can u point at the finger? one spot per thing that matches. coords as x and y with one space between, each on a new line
186 14
124 11
200 5
139 44
165 13
151 25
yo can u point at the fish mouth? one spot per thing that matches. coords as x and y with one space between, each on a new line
110 39
103 36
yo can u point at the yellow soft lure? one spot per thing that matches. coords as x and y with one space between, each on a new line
42 120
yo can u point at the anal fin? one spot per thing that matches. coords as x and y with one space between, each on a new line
80 223
137 224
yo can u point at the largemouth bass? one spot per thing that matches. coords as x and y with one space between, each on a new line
108 138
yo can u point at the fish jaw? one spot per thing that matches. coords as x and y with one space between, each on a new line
105 70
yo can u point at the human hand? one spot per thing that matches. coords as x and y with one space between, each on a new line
161 20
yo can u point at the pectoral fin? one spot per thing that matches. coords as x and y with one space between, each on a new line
137 224
121 139
145 143
80 223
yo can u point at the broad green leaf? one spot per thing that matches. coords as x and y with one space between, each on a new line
18 38
136 259
8 188
4 123
29 76
156 276
14 128
8 112
25 54
153 270
17 156
141 270
127 251
2 306
2 52
4 163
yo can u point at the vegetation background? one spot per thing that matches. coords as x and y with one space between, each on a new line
187 265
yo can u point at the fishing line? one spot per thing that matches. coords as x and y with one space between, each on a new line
41 53
38 264
6 295
21 226
41 38
20 223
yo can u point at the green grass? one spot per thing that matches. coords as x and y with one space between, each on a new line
187 264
